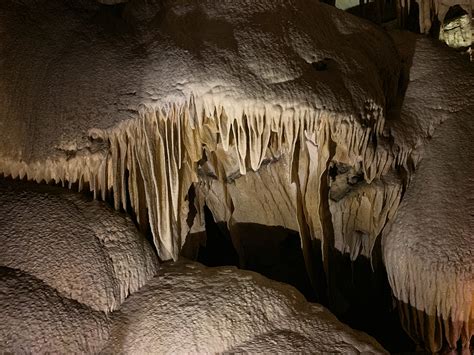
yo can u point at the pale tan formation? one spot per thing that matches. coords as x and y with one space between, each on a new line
83 249
223 99
190 308
429 249
185 308
38 319
154 122
457 32
200 111
430 8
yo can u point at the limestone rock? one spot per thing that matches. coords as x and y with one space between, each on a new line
81 248
456 29
75 255
429 250
189 308
254 83
37 319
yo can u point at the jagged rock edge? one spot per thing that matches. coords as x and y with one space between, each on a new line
160 151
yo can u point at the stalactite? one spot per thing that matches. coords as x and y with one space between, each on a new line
156 157
430 8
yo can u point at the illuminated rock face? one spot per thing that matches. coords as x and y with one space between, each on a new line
274 113
189 308
428 251
456 29
145 124
346 4
58 298
86 251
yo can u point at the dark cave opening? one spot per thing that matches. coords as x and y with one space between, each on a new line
363 298
272 251
218 249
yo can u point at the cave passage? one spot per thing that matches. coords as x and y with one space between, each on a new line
363 299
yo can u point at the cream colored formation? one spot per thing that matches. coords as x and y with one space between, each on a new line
285 128
428 251
80 248
457 32
66 263
77 277
222 310
235 109
161 151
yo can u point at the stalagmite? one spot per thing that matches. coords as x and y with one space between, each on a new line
186 307
205 104
38 319
80 248
189 308
428 251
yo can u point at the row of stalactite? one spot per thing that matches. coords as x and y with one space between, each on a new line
422 16
153 161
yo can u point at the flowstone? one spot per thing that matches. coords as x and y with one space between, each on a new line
169 108
254 84
38 319
428 252
184 308
189 308
81 248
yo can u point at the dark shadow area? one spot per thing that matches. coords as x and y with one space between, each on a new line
274 252
405 43
410 20
376 11
329 2
454 12
320 65
361 296
367 302
18 184
217 248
